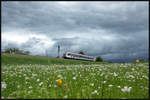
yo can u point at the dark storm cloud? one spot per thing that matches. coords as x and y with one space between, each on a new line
50 17
110 29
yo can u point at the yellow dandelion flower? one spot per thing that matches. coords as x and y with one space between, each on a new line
59 81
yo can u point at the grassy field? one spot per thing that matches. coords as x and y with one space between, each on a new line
36 77
22 59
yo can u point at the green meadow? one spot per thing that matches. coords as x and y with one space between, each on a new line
28 77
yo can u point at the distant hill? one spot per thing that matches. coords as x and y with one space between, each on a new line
123 60
24 59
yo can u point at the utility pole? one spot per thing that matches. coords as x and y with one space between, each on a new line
58 50
46 53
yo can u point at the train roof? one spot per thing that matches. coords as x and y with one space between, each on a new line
79 54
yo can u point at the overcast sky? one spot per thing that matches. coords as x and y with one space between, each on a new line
112 30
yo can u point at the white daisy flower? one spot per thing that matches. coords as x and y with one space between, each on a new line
38 80
74 78
40 83
80 75
59 76
118 86
65 96
110 85
4 85
29 91
104 82
115 74
95 92
126 89
34 74
92 84
18 86
27 78
30 87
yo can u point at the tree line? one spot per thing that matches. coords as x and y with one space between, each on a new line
16 51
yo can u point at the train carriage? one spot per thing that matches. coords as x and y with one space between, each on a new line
77 56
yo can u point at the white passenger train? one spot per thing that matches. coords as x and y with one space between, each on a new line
77 56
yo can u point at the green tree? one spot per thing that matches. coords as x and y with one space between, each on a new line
9 50
16 51
81 52
99 59
26 52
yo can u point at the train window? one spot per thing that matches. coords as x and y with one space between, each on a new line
69 54
84 56
73 55
77 55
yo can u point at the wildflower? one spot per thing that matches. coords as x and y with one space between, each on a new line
27 82
131 76
65 96
18 86
27 78
40 83
59 76
110 85
4 85
74 78
34 74
95 92
92 84
118 86
126 89
29 91
99 87
104 82
132 69
145 76
102 74
38 80
115 74
30 87
59 81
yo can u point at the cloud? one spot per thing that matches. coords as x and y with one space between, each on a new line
113 30
32 42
